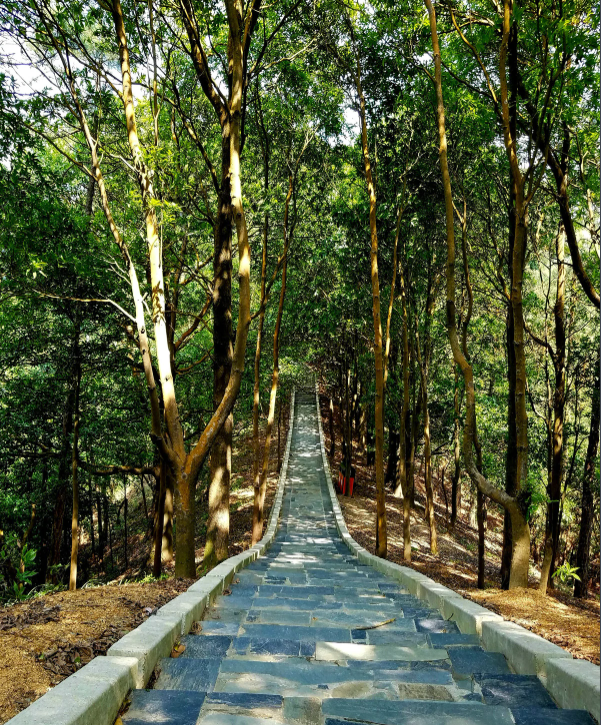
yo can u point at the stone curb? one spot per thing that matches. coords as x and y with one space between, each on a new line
572 683
575 684
94 694
90 696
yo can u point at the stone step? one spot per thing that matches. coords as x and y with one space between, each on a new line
413 712
297 677
176 707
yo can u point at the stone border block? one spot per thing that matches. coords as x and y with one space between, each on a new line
575 684
90 696
434 593
525 651
207 586
189 607
468 615
148 643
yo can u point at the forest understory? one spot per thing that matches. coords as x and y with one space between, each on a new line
45 639
558 617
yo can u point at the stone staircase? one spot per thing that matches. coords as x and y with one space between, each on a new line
306 634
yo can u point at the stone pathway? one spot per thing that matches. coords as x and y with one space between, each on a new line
309 635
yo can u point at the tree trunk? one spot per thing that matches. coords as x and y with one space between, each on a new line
125 508
65 466
381 537
332 450
393 456
430 513
157 566
554 491
259 493
588 483
520 528
481 514
92 534
456 452
74 471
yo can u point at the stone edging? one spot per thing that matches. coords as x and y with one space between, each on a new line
572 683
94 694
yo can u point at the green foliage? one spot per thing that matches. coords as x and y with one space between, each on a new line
55 252
565 573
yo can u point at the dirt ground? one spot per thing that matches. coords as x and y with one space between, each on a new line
558 617
44 640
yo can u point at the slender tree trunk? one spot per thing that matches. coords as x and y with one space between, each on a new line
554 492
259 499
158 532
348 439
520 528
430 513
393 456
402 485
125 510
381 537
456 452
257 386
332 428
74 471
589 481
220 465
481 515
415 435
92 534
64 468
511 453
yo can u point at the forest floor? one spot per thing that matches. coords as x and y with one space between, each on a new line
557 617
43 640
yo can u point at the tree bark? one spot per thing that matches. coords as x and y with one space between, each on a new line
332 450
220 463
589 481
557 454
521 530
259 497
157 565
456 452
430 513
381 536
74 458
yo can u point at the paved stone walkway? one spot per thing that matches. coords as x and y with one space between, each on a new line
295 640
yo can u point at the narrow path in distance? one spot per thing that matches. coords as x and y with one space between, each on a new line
309 635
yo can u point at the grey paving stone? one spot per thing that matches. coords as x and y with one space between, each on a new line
226 718
514 691
164 706
453 639
435 625
301 605
466 661
280 616
246 700
275 646
229 629
414 713
199 646
536 716
276 631
188 674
